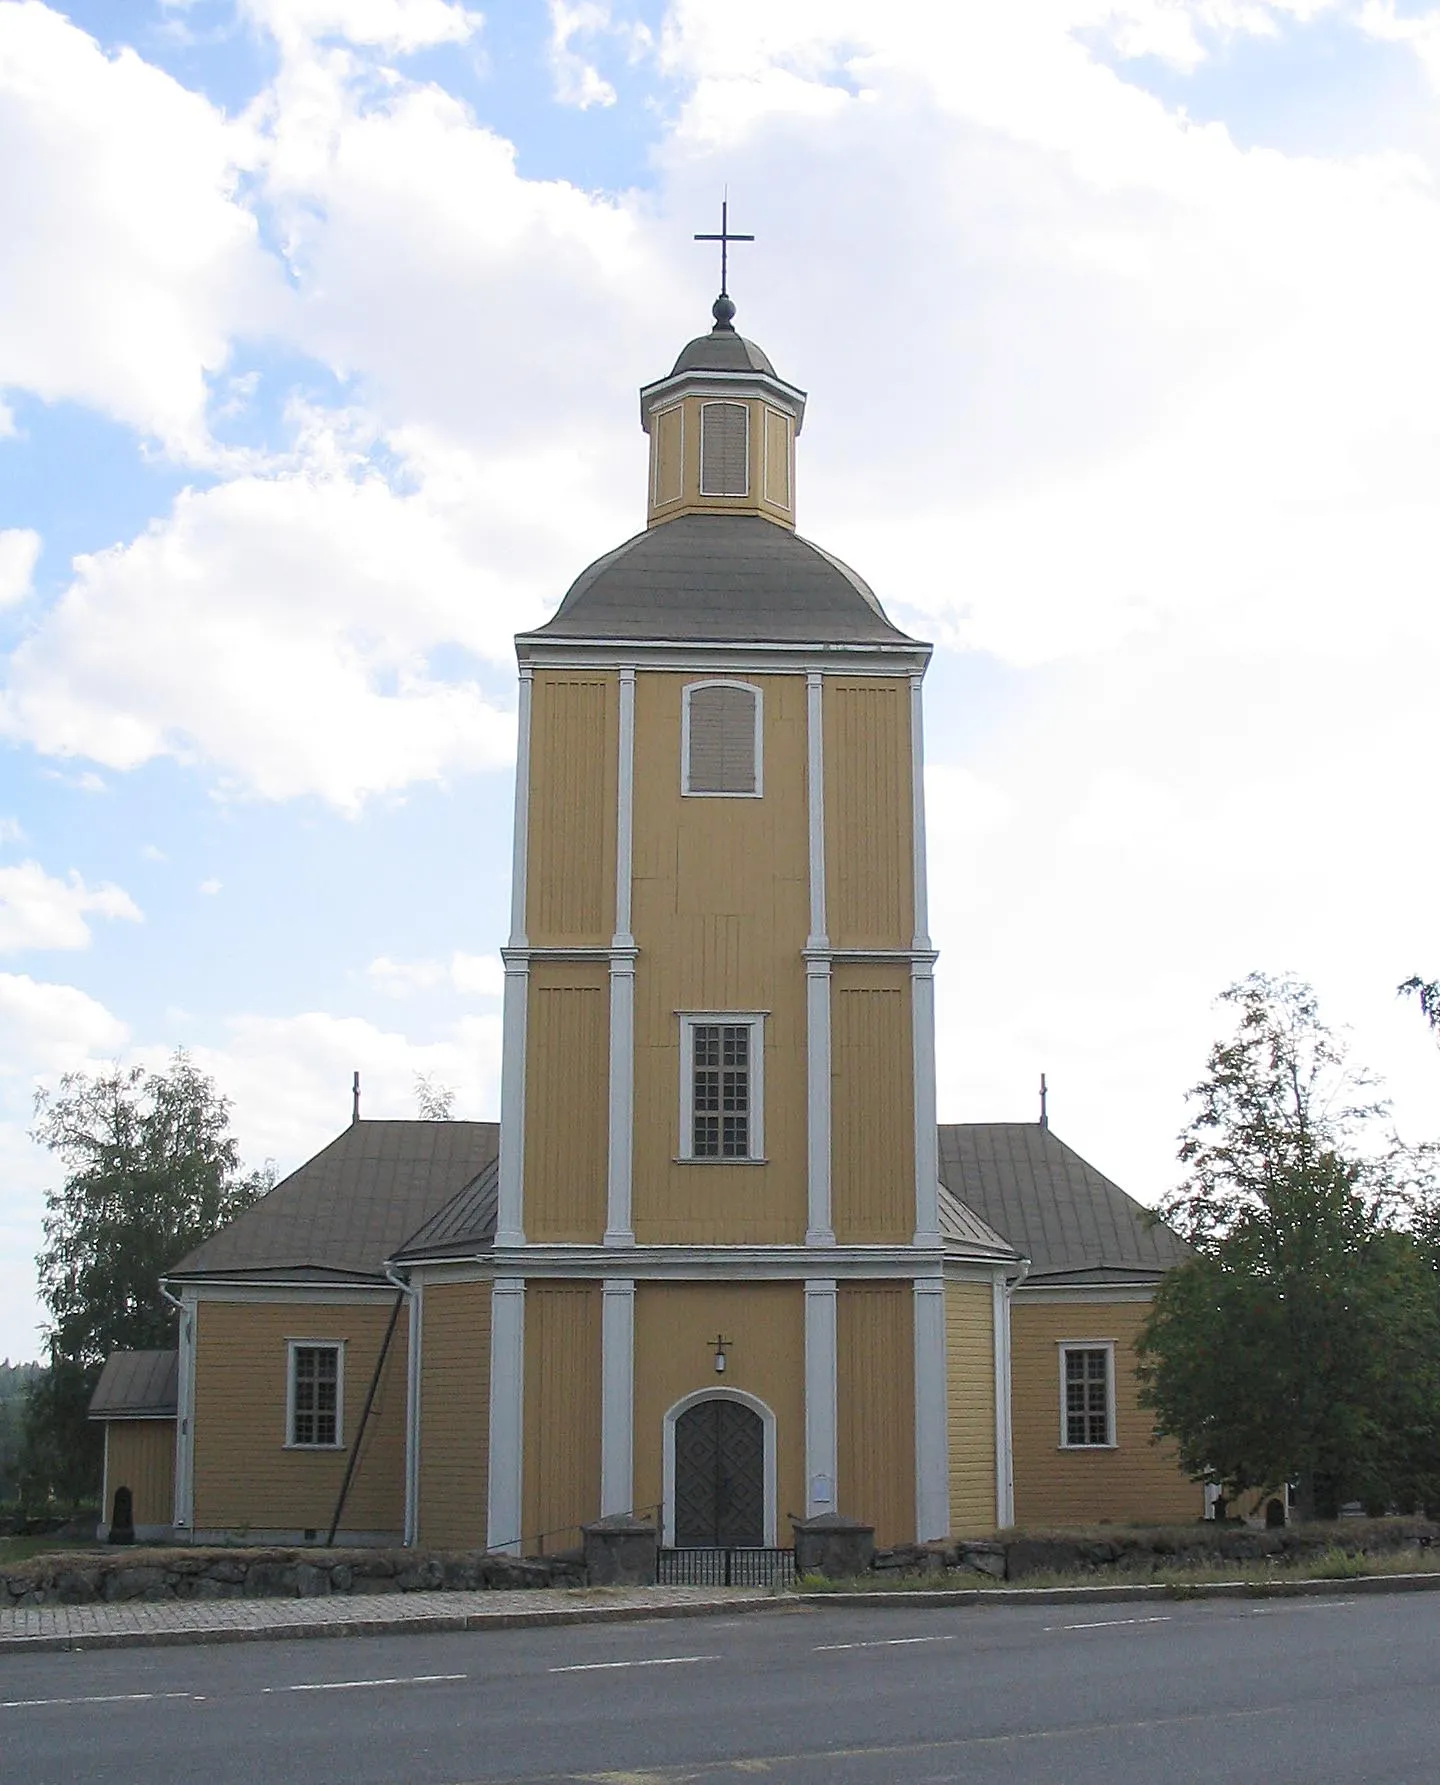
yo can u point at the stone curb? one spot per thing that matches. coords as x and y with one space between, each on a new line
424 1624
910 1599
444 1623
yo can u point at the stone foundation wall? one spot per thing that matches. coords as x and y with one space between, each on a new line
87 1577
1122 1551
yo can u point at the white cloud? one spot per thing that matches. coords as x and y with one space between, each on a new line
473 974
39 911
151 852
19 551
399 26
277 628
577 82
11 831
210 887
130 265
47 1028
289 1077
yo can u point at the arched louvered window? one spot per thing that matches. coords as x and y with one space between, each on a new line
724 449
720 741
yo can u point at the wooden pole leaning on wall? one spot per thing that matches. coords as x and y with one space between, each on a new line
353 1459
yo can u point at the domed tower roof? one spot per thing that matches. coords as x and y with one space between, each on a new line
722 578
722 350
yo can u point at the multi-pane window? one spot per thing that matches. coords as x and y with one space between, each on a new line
722 1091
1085 1375
720 742
315 1395
724 449
720 1104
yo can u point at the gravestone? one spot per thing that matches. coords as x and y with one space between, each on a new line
122 1517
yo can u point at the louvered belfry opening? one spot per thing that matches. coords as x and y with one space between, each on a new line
724 449
722 740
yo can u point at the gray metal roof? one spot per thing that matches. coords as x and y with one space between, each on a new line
465 1225
722 350
137 1385
352 1206
1068 1219
723 578
962 1230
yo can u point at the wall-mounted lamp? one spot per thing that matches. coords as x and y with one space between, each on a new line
720 1344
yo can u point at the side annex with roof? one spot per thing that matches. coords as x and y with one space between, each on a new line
718 1260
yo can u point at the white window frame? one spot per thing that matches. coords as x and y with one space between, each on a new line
725 495
291 1347
1065 1347
754 1021
707 793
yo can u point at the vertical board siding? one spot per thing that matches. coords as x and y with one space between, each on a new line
561 1489
567 1100
574 744
721 909
872 1172
1137 1481
876 1386
454 1414
140 1455
676 1325
970 1392
244 1475
777 458
869 861
669 472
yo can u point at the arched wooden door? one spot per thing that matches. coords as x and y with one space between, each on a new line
720 1475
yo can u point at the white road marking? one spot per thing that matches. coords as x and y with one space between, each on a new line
607 1666
30 1704
413 1679
1107 1623
884 1642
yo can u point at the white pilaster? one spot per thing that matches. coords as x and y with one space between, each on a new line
821 1398
617 1396
507 1412
927 1139
618 1229
922 1000
1004 1431
510 1214
932 1442
184 1516
917 813
819 1227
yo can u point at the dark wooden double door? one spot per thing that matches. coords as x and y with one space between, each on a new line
720 1475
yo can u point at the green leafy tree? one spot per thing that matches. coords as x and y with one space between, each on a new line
151 1170
1299 1342
1428 992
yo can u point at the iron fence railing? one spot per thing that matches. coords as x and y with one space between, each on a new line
716 1567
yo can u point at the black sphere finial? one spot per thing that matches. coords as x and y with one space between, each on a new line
723 310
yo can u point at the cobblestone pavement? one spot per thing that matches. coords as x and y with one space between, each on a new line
138 1623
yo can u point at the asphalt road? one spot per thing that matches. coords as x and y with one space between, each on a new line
1309 1691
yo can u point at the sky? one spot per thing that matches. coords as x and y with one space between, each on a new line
321 326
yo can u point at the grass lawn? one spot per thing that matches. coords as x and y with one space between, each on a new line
20 1549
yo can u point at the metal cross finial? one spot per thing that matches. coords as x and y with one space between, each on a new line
725 237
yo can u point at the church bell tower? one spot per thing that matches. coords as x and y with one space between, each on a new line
720 1284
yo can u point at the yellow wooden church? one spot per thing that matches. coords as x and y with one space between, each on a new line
719 1260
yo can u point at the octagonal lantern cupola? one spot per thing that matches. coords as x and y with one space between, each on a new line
722 430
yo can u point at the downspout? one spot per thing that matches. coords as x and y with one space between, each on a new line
1004 1401
182 1511
353 1460
412 1406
